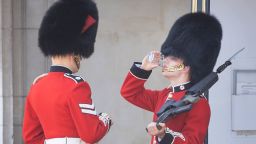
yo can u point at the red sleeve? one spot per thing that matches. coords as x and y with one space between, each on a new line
196 125
133 89
90 128
32 130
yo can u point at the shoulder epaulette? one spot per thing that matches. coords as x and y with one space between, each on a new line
75 78
39 77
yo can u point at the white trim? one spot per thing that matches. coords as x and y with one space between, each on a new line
178 84
175 134
87 106
88 111
64 140
66 75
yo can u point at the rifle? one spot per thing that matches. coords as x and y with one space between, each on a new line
171 107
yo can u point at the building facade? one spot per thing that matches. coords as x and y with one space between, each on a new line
128 30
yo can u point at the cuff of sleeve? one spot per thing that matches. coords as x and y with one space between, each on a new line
168 138
138 72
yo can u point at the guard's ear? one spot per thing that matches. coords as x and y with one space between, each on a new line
186 69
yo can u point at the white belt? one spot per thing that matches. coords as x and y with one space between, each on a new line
65 140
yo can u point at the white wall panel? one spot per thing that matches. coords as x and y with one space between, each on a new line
238 21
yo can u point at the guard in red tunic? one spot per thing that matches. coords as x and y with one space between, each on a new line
59 108
188 55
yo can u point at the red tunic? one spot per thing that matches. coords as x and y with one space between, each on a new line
59 105
187 128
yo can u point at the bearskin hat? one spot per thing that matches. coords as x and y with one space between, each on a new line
69 27
195 38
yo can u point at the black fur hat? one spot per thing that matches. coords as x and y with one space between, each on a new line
69 27
195 38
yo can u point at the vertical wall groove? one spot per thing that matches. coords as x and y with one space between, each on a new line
1 77
7 37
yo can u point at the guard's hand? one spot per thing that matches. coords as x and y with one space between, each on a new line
106 119
152 129
151 60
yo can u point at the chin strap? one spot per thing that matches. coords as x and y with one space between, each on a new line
174 68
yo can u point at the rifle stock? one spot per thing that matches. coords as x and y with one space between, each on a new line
171 107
